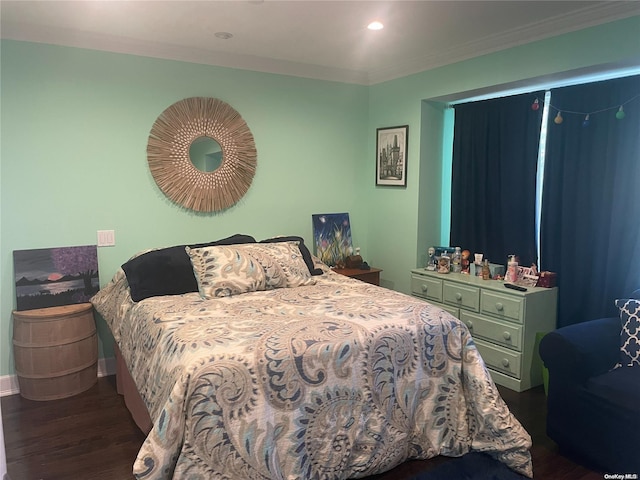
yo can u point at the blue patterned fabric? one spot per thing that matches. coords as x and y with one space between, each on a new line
630 334
337 380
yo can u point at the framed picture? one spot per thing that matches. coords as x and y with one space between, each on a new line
391 156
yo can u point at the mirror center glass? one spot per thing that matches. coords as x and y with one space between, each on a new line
206 154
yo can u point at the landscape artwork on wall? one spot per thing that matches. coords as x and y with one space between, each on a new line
51 277
332 237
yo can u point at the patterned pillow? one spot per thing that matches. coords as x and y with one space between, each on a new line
306 254
630 334
283 263
222 271
168 271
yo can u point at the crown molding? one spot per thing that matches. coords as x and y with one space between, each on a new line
599 13
129 46
587 17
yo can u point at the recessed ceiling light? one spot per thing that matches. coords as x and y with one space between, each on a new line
375 26
223 35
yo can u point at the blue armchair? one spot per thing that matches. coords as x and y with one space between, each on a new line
593 410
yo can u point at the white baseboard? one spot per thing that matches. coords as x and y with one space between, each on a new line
9 383
106 366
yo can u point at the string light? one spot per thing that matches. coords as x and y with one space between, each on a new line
620 113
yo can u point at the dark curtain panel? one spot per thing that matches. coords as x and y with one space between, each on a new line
493 189
590 225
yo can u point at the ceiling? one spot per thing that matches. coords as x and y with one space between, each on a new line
316 39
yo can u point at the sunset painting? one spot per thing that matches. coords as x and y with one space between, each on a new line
50 277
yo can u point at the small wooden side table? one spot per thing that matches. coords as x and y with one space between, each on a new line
55 351
371 276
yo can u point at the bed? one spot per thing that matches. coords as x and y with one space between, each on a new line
277 367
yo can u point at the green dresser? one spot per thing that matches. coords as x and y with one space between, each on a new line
503 322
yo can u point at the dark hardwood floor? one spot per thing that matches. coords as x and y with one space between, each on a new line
92 436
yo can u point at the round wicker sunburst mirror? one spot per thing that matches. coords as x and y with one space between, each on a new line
184 181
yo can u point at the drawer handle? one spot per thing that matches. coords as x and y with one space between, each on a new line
470 324
458 296
499 307
505 363
424 287
506 336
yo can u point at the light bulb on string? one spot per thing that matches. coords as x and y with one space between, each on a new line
586 121
535 105
558 120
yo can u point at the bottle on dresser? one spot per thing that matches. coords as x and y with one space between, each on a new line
477 264
456 260
486 270
444 264
512 270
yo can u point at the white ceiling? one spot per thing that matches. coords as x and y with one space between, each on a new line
317 39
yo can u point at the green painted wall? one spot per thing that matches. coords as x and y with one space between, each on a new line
403 223
74 127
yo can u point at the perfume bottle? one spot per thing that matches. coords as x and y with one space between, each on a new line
486 271
456 260
512 270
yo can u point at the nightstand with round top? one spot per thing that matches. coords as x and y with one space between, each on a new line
55 351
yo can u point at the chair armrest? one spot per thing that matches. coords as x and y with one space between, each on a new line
578 352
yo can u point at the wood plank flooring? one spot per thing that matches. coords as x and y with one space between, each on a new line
92 436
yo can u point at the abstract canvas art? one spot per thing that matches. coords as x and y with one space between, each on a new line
332 237
51 277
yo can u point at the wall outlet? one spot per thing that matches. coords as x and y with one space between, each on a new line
106 238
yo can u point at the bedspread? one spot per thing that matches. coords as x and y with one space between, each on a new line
337 380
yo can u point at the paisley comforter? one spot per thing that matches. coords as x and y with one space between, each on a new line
336 380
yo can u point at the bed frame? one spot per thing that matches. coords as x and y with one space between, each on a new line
132 399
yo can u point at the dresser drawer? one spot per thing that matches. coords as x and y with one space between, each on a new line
462 296
506 306
452 310
426 287
503 322
500 359
503 333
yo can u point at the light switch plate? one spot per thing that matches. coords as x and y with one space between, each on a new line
106 238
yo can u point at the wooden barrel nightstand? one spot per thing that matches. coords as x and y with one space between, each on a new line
55 351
